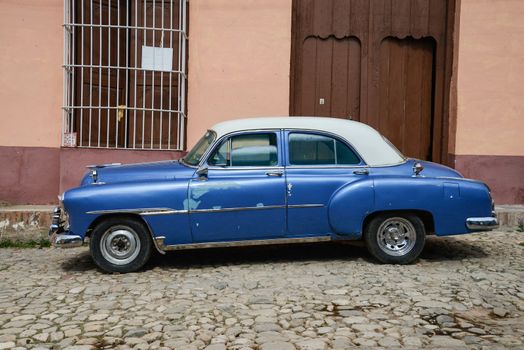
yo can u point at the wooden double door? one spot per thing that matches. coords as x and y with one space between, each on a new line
382 62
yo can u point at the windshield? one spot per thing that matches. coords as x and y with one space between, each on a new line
196 153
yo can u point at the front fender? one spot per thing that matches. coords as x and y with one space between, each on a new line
131 197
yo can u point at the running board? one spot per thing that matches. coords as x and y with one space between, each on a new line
159 241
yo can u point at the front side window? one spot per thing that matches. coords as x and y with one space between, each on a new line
258 149
311 149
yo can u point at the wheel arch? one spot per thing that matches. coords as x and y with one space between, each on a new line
424 215
132 216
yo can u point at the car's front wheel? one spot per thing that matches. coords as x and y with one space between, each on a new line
395 238
120 244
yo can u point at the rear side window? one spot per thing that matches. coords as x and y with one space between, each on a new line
311 149
258 149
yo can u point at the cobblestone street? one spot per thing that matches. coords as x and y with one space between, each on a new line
465 292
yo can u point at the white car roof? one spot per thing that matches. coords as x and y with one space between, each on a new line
368 142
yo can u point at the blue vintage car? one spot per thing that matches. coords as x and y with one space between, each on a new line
271 181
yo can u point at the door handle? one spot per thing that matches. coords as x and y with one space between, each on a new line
361 172
275 173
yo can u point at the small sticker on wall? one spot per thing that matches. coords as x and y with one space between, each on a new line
157 58
70 139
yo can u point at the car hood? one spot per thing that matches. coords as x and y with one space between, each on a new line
164 170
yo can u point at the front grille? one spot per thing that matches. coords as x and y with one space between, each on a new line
56 222
57 216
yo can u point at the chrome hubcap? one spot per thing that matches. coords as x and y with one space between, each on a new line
396 236
120 245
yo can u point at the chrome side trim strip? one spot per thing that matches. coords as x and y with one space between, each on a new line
160 243
139 211
217 210
165 212
295 206
275 167
169 211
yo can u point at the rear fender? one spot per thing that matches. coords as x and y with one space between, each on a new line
348 207
450 201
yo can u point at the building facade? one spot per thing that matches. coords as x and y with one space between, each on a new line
101 81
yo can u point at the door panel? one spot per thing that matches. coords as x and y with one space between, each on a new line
308 198
236 205
243 195
406 88
317 166
330 71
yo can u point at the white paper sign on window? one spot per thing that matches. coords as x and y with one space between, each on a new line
157 58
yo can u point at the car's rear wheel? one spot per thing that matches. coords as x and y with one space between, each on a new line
395 238
120 244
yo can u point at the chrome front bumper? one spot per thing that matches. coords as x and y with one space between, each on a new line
482 224
64 240
58 236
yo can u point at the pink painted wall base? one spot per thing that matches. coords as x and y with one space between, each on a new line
37 175
29 175
503 174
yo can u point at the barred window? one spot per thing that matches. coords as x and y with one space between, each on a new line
125 74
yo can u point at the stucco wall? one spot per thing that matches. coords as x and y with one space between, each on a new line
31 75
490 99
239 57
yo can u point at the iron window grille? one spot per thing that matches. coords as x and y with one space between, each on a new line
125 74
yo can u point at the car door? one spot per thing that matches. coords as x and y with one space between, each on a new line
317 165
242 196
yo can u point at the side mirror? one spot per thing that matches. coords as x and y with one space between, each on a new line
202 172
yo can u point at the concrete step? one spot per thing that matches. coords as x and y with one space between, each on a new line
510 216
25 222
17 220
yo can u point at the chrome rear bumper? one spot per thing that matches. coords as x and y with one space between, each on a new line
482 224
59 237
